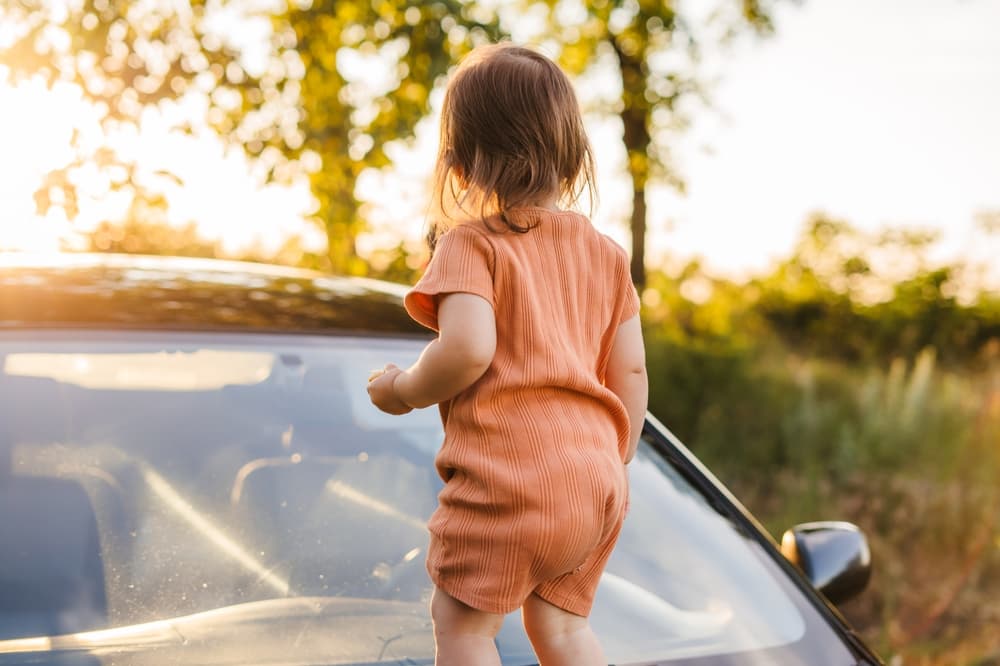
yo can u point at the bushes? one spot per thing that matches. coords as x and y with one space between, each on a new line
813 403
826 364
748 410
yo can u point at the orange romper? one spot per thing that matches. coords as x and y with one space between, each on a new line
535 486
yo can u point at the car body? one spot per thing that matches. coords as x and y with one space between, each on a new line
191 472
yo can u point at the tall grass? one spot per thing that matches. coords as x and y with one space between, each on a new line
910 451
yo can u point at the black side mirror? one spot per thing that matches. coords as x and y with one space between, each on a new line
834 556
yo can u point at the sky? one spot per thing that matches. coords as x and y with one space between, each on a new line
880 113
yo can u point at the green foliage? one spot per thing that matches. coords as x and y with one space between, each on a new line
124 57
347 122
856 381
856 297
135 237
801 369
657 49
300 108
397 264
303 108
140 235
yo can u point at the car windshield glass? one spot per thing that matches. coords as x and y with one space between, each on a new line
196 498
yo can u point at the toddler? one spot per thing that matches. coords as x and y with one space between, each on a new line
538 368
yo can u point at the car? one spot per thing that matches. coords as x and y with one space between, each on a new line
191 472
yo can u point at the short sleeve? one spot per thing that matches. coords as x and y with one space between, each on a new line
630 307
463 261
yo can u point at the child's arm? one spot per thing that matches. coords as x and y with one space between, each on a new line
462 352
626 377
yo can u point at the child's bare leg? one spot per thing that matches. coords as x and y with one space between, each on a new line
558 637
463 636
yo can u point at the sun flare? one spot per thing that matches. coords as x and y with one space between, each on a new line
35 135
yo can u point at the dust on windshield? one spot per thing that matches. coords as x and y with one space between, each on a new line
223 493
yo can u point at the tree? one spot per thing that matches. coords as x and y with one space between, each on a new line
870 297
124 57
298 108
346 120
656 50
139 236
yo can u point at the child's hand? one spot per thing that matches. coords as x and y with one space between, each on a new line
382 392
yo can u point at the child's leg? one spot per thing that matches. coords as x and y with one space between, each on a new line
559 637
463 636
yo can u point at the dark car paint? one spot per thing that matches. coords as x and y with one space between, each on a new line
145 292
122 291
695 472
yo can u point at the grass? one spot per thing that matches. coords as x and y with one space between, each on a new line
910 452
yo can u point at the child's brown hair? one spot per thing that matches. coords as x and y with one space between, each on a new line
511 135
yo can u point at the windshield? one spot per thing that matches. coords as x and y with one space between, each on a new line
236 499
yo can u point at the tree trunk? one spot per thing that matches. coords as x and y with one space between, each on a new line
635 123
637 141
638 226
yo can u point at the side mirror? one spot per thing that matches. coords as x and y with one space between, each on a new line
834 556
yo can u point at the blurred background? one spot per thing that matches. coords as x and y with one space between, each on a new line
810 192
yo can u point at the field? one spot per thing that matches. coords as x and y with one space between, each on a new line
813 404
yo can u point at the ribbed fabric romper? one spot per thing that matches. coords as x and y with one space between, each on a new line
535 486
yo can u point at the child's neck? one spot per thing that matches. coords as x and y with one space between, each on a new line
548 203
